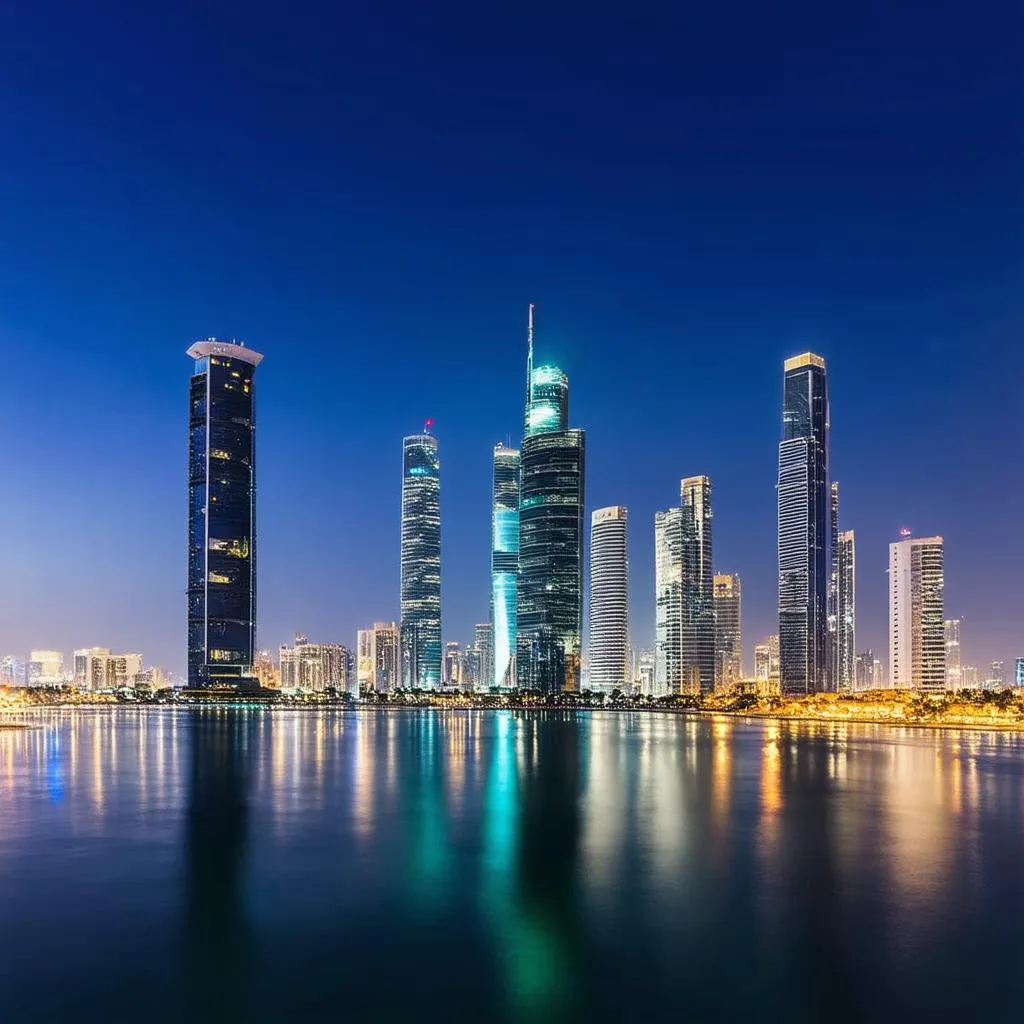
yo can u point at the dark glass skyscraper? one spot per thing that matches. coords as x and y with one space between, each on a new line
221 516
697 663
804 507
504 565
421 562
550 586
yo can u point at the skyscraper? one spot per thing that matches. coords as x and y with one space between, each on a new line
697 660
483 644
917 642
378 657
846 609
504 565
803 526
668 598
608 650
222 516
833 588
1018 672
766 661
549 616
420 585
954 679
728 630
314 668
864 671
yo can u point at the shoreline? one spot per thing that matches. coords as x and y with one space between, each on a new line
753 714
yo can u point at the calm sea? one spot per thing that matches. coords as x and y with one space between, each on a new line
488 866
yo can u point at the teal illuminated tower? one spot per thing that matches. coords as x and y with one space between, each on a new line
504 564
550 582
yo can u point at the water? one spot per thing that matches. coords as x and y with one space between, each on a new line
487 866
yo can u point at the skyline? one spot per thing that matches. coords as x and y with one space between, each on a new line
685 222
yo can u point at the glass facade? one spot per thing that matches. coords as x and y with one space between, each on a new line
668 587
728 631
221 516
504 565
548 409
420 583
697 663
550 590
846 609
803 519
608 654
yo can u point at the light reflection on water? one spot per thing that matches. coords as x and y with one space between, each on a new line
512 866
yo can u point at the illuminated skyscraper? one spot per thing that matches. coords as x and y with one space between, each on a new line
833 589
222 516
96 668
766 661
1018 672
504 565
864 672
728 630
378 658
314 668
483 644
954 679
421 562
608 646
697 662
549 617
917 641
668 597
846 609
803 526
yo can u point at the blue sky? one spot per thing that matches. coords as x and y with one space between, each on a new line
371 193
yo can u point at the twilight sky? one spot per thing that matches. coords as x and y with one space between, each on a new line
370 192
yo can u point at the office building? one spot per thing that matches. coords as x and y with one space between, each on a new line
421 562
222 516
549 595
316 668
13 671
846 609
608 645
969 677
501 668
996 676
378 664
917 641
864 671
728 631
451 670
832 617
803 519
483 644
96 669
766 660
668 596
45 668
1018 672
954 677
645 672
697 660
265 671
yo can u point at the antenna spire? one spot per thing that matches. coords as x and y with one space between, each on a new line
529 364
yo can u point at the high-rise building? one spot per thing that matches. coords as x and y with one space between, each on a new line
501 669
549 596
645 668
45 668
96 668
1018 672
378 664
766 660
421 562
314 668
803 526
833 588
668 596
483 645
864 672
266 671
996 676
728 631
846 609
222 516
608 648
968 677
451 669
954 679
697 661
12 671
917 642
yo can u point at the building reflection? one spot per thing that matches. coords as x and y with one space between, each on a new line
217 940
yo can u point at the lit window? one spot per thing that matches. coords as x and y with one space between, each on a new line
218 577
219 453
